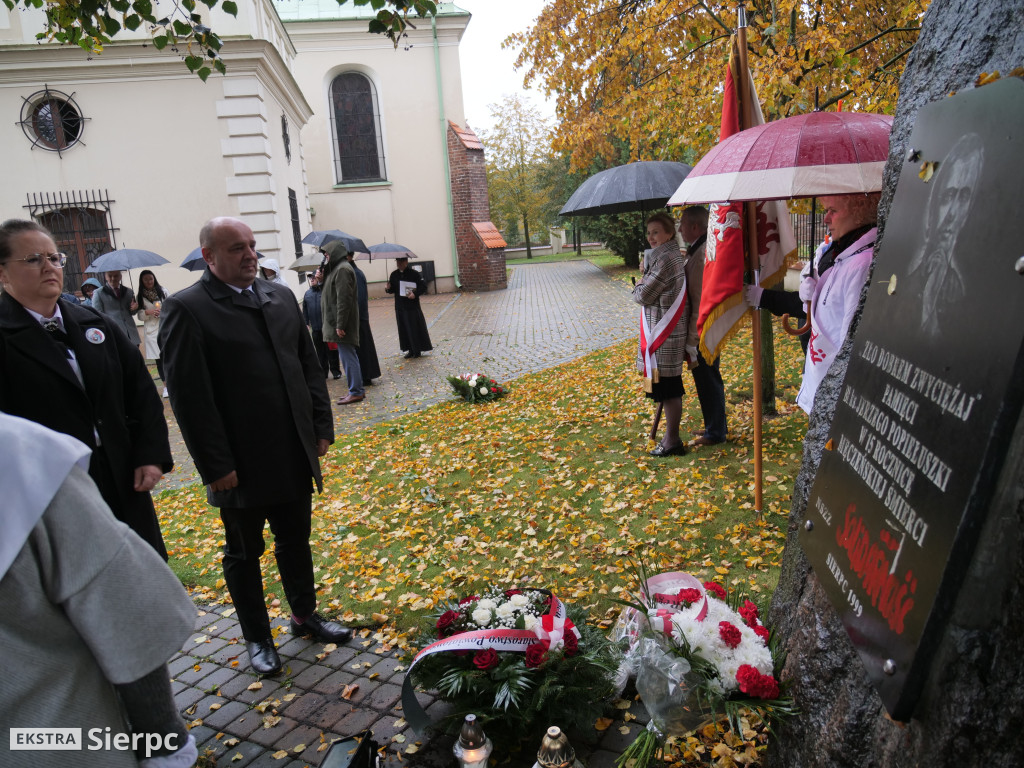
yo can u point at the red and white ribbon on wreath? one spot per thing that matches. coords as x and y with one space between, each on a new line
651 340
661 621
550 629
665 588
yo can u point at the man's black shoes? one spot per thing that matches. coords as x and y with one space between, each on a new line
317 627
263 657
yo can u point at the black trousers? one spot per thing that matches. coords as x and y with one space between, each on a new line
711 393
328 357
244 544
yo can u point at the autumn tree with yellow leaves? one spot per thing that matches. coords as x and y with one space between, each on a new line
647 73
518 151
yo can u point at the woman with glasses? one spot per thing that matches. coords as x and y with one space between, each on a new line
71 369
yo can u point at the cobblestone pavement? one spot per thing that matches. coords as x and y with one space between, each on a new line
549 314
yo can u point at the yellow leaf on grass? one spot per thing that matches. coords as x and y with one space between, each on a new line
603 723
721 570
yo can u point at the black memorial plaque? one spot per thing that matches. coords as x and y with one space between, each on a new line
932 393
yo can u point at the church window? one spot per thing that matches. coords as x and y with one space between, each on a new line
355 118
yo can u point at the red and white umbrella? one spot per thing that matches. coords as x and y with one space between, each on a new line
821 153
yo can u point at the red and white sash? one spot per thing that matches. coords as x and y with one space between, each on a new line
651 340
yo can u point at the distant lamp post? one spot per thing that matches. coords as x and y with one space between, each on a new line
473 748
556 751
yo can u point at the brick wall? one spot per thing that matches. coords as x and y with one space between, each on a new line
480 268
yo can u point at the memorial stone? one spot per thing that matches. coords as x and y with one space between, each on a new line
932 393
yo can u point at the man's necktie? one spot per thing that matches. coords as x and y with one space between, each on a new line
248 298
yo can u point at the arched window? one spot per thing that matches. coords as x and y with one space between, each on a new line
355 117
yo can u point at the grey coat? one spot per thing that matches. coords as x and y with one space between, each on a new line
117 308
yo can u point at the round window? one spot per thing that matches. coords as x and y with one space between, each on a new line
52 120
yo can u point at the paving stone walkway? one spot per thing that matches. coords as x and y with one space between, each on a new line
550 313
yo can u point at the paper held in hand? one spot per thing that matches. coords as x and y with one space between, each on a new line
405 288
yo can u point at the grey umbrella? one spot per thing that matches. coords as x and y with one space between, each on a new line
321 237
125 258
391 251
194 262
641 186
307 263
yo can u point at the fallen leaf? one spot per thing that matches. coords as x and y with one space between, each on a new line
623 729
891 289
269 721
398 738
230 742
349 691
214 707
928 168
603 723
236 757
254 686
299 748
281 754
412 749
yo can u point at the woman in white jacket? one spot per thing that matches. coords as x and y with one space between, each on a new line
151 297
851 222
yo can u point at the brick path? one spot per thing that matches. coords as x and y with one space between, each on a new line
549 314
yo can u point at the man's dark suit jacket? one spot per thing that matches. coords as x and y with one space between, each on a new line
119 400
247 390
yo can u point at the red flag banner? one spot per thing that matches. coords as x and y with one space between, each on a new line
721 301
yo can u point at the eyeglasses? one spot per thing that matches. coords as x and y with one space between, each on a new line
57 260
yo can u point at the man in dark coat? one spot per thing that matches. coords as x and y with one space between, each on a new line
368 362
412 327
706 376
84 378
250 398
312 313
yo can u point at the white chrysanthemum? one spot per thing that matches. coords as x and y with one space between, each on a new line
481 617
472 382
530 621
487 603
706 641
519 601
484 390
506 611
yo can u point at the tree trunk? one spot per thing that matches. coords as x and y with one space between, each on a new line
526 234
970 712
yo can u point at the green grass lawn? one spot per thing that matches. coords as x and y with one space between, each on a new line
550 486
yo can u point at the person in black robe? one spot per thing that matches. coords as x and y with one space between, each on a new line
368 362
412 327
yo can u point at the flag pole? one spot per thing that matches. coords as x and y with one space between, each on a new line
753 258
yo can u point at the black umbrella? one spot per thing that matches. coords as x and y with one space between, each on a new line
319 238
194 262
641 186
